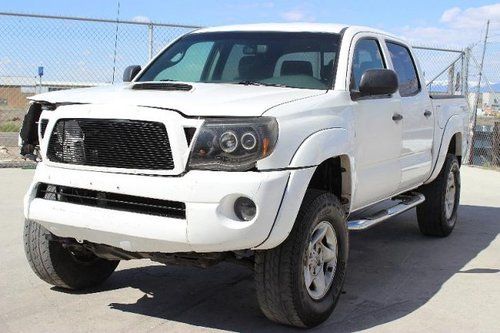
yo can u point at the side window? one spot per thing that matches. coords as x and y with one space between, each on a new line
367 55
405 69
187 65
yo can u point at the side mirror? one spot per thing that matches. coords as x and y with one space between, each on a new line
378 82
131 72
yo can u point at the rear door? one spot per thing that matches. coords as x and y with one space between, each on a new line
377 136
418 118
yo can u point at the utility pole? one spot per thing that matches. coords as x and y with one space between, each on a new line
478 92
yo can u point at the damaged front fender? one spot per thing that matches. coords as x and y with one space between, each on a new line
28 137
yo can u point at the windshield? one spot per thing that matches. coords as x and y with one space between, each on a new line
289 59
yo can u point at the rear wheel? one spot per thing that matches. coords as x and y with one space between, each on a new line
437 216
299 282
61 267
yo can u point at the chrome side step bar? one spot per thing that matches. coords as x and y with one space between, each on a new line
406 202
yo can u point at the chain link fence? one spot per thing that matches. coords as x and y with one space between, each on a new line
484 99
73 52
76 52
460 72
444 69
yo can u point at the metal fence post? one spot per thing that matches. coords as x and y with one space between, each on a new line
465 93
150 41
495 159
465 76
451 79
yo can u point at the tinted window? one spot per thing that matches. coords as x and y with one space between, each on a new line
405 69
367 55
299 60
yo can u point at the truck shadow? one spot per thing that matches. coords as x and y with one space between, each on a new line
393 271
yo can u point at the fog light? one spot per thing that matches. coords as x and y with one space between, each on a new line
245 209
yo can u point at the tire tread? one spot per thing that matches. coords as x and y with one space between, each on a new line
430 216
273 268
56 265
37 252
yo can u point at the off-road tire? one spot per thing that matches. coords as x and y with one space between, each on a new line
58 266
431 214
280 286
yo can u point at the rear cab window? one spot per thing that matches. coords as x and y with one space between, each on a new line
405 68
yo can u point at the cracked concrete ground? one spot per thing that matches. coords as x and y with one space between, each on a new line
397 280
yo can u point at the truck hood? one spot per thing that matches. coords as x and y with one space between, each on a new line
205 99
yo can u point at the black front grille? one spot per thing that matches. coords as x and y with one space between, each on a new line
129 203
113 143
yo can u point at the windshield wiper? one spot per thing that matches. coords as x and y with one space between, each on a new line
259 83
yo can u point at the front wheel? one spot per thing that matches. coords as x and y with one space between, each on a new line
59 266
437 215
299 282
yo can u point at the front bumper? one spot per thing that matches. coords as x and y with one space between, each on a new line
210 224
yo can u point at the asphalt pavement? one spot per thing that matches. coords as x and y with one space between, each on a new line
397 280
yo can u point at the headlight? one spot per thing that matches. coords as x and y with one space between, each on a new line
234 144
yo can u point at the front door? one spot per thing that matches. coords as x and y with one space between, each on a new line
377 135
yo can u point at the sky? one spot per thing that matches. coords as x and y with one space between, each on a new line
433 21
447 23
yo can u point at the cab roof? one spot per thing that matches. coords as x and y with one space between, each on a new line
296 27
278 27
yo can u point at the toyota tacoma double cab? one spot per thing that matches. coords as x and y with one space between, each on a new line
261 144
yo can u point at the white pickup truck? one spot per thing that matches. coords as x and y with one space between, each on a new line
262 144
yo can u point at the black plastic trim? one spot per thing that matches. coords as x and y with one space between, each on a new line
113 201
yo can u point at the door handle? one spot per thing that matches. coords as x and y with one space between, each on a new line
427 113
397 117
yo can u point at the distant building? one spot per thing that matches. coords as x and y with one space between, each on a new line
491 103
14 91
488 103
